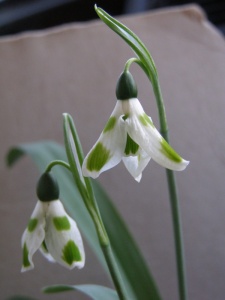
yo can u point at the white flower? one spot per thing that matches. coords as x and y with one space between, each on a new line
55 234
130 135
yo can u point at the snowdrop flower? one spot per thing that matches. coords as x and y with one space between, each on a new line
51 230
130 136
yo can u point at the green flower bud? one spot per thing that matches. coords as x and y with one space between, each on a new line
126 87
47 188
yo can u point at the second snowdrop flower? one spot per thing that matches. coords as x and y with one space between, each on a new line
52 230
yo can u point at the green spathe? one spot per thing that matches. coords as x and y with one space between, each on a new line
47 188
32 224
168 151
98 157
126 87
110 124
71 253
61 223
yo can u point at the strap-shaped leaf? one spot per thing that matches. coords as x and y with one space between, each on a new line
17 297
95 292
134 270
131 39
146 61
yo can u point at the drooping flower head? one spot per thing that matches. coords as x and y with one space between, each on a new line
131 136
52 230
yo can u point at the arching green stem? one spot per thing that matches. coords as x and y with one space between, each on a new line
174 203
57 163
129 62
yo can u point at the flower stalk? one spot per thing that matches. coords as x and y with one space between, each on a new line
171 182
174 202
75 158
57 163
178 239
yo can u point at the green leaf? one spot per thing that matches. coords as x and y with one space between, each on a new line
73 151
131 262
132 40
138 280
146 61
17 297
96 292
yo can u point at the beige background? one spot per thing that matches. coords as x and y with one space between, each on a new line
74 69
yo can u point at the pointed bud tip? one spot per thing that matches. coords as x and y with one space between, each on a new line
25 269
182 165
186 163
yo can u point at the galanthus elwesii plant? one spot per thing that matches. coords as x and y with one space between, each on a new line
130 136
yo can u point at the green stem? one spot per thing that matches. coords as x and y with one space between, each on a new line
107 251
177 228
114 271
75 157
105 245
57 163
177 234
129 62
106 248
174 203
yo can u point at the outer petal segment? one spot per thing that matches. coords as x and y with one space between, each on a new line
108 150
33 236
144 133
63 239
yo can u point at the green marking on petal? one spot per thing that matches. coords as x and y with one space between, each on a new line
98 158
125 117
71 253
26 262
61 223
131 147
32 224
169 152
110 124
145 120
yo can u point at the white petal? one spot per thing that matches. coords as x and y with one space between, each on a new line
108 150
33 236
144 133
63 239
136 164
